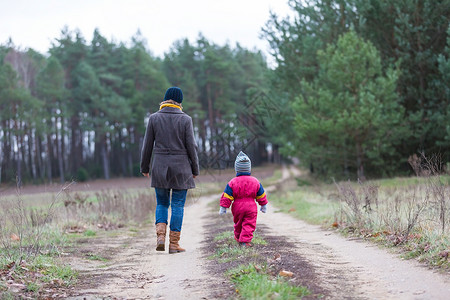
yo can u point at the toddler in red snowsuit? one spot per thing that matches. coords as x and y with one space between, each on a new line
240 193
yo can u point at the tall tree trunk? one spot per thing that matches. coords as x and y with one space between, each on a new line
360 161
19 153
346 171
32 154
19 161
211 118
130 164
203 135
49 158
228 147
8 149
122 153
276 155
129 155
39 148
74 146
88 145
80 148
26 172
217 134
138 141
59 142
105 160
262 152
64 156
97 151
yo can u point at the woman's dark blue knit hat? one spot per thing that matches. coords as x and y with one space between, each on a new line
174 93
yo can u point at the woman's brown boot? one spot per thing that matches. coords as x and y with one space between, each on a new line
173 245
161 236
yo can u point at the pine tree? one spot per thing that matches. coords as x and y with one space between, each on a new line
350 117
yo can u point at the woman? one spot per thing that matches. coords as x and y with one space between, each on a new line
170 137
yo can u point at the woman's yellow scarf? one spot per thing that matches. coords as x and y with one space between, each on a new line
170 103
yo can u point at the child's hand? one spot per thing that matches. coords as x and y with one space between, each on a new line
222 210
263 208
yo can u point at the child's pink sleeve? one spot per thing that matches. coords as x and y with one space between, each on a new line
261 197
227 197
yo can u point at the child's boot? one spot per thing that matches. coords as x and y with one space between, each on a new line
174 247
161 236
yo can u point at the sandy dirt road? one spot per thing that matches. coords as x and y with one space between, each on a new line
347 269
137 271
352 268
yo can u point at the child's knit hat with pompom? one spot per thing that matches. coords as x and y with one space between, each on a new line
242 163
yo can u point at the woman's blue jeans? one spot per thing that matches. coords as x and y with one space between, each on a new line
177 205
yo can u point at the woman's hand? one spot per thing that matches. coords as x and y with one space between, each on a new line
146 174
194 176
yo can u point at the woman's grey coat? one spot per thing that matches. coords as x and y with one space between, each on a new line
170 136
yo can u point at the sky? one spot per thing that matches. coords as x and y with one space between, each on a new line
36 23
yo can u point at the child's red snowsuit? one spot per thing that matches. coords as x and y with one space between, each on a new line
242 192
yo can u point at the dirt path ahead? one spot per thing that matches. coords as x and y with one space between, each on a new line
355 269
345 268
137 271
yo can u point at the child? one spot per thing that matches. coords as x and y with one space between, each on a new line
242 192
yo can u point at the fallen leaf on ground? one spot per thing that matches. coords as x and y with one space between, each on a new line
285 273
11 265
15 237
